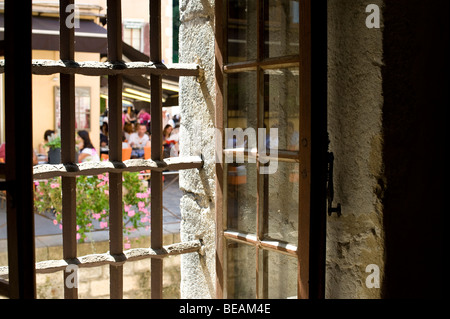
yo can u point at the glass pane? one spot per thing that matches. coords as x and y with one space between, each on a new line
241 100
241 271
281 29
280 273
241 30
281 106
281 191
241 196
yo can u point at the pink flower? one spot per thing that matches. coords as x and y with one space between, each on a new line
96 216
103 224
131 213
141 205
127 208
101 184
89 225
60 226
126 245
106 192
100 176
54 185
55 222
78 236
144 219
78 227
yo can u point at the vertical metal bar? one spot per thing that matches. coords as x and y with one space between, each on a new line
156 143
114 14
220 9
67 83
305 151
19 130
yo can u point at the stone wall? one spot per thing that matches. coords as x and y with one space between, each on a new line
197 101
93 283
355 102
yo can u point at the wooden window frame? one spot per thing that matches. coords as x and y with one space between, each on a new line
19 172
311 157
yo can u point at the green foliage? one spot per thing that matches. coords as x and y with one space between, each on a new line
92 204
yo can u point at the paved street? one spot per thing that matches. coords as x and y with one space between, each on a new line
47 234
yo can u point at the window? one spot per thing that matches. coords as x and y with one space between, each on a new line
133 33
263 78
82 108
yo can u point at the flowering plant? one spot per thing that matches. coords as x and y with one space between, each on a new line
92 204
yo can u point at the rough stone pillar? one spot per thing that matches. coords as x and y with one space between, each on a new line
197 101
355 103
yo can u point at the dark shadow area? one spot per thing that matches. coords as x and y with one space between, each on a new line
415 88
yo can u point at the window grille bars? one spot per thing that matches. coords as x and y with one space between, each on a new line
22 267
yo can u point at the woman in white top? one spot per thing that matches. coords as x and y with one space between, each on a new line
87 150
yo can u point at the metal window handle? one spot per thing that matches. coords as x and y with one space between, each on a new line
330 188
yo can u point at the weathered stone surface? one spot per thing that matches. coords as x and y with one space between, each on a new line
197 101
355 239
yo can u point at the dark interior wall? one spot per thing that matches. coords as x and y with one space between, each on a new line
416 91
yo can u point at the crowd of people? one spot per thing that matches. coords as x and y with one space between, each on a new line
136 134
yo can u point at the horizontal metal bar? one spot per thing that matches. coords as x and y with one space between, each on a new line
94 68
275 245
96 260
132 165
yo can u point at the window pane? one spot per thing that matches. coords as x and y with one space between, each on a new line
241 271
281 30
281 191
136 40
241 30
281 272
241 100
241 196
281 106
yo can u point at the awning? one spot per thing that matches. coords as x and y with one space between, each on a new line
89 37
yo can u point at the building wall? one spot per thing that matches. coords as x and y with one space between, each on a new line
197 102
355 102
44 99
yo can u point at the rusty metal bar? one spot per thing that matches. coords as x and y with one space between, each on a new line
18 167
97 260
94 68
44 171
114 14
67 83
156 143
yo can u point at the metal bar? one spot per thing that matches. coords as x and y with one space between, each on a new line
18 170
4 288
114 14
156 143
219 168
44 171
94 68
67 84
97 260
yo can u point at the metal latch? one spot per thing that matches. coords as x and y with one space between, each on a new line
330 188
